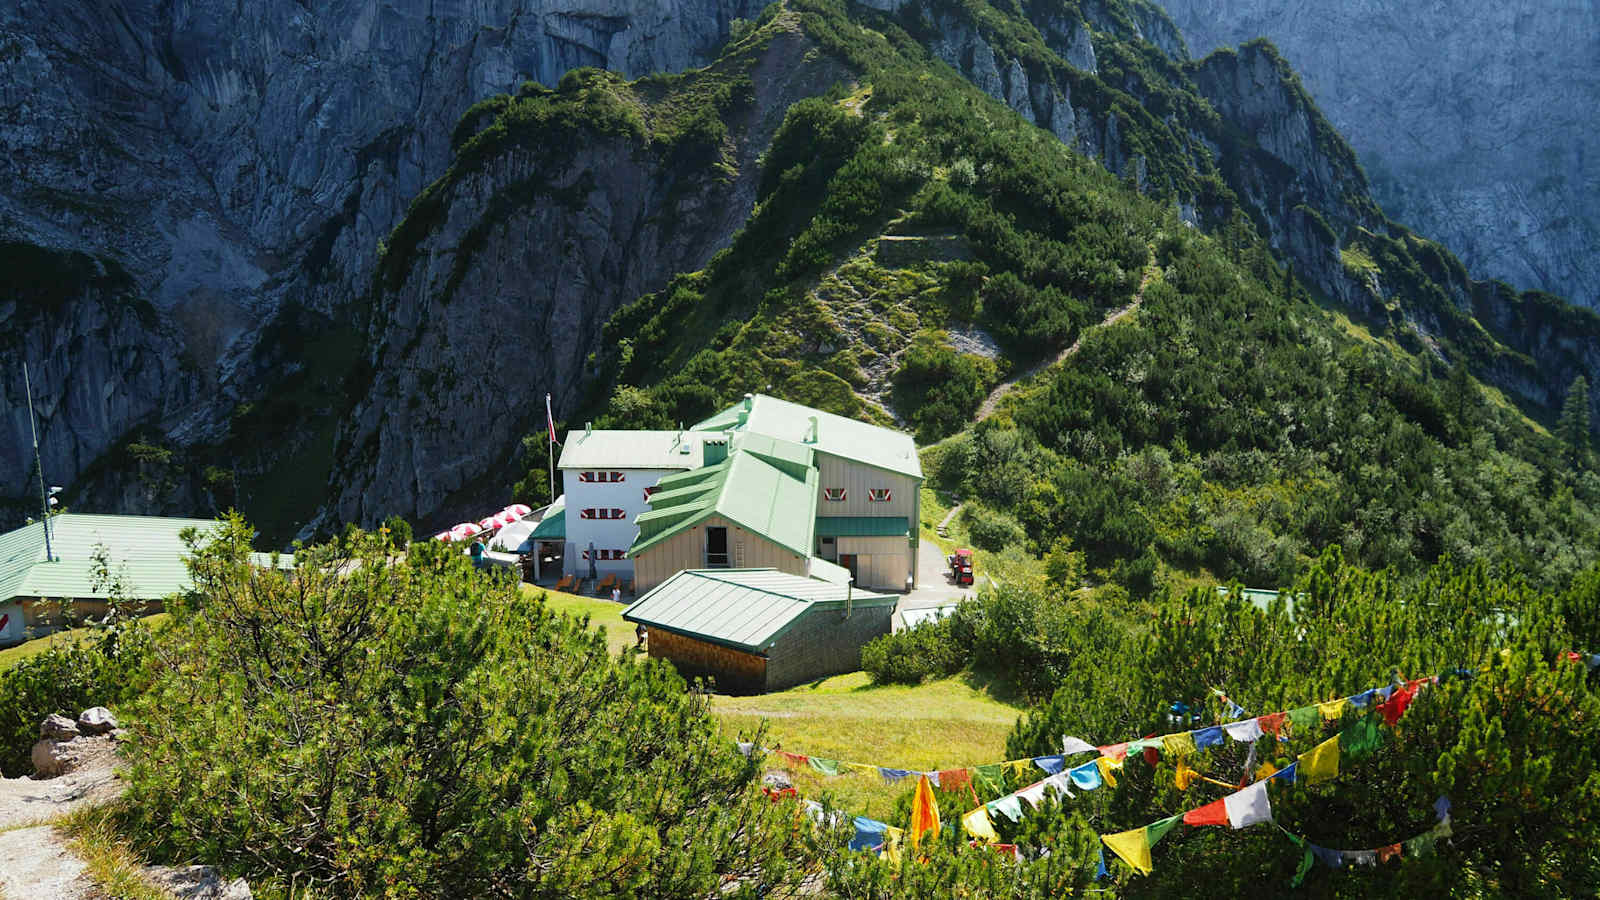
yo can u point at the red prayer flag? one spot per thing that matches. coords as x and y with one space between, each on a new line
954 779
1115 751
794 759
1272 723
1387 853
1214 813
1395 706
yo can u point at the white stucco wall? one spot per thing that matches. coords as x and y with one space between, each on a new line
606 534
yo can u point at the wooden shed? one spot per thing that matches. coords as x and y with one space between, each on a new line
755 630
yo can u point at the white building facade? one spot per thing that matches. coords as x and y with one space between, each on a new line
607 477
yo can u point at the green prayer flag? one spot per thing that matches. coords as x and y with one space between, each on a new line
1361 737
1304 870
1155 831
1306 718
825 766
1421 845
991 778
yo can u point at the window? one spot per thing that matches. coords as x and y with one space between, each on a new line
601 477
612 513
834 494
879 495
607 554
648 491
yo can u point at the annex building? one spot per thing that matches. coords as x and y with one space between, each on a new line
145 553
763 484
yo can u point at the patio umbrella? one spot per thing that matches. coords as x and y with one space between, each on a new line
488 523
519 509
504 518
592 573
442 536
463 531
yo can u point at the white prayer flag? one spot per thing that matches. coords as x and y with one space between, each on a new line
1244 732
1071 745
1249 806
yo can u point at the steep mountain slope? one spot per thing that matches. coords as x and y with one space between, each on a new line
1474 120
1228 424
231 169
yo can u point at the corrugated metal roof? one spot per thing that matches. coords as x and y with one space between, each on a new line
746 489
632 450
884 448
554 523
743 608
863 526
145 550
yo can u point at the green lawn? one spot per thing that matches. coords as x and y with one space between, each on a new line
601 613
938 725
13 655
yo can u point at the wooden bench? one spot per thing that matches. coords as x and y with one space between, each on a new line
567 583
606 584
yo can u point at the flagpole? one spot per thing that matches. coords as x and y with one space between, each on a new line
550 456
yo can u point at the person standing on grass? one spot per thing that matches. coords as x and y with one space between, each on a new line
616 594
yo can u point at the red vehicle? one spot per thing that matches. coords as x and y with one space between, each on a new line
961 566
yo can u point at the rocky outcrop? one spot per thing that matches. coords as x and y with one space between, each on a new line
1473 119
504 299
216 162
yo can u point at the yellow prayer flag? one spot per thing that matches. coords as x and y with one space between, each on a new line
860 767
1185 776
1107 765
891 844
1265 771
978 824
1333 709
924 811
1178 745
1320 763
1132 847
1020 767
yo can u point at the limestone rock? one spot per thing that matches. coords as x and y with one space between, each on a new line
58 727
96 720
197 883
1474 119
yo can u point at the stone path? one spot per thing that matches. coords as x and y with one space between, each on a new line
992 402
35 862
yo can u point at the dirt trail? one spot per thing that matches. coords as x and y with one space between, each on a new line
34 858
992 402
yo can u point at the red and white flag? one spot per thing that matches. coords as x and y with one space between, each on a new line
550 420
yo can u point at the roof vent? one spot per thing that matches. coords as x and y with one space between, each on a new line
811 430
749 400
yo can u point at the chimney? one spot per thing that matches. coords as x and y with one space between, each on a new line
749 401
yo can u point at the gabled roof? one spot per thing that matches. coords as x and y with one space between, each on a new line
145 550
883 448
586 449
747 609
775 502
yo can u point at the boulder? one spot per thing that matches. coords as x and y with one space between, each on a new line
58 728
197 883
776 780
96 720
51 758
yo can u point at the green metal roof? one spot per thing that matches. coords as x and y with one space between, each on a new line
145 550
1262 599
863 526
744 488
836 435
554 523
821 569
632 450
747 609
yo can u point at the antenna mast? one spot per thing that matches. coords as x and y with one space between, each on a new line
33 426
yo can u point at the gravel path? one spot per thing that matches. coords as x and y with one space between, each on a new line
35 862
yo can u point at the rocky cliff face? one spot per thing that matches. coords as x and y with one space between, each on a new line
230 160
504 298
1474 120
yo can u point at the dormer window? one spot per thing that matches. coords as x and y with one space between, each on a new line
835 495
879 495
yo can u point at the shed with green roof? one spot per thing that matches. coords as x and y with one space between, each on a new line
757 630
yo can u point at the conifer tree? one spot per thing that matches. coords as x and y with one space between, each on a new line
1573 426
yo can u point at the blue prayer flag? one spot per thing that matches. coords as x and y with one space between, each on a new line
869 833
1208 737
895 774
1050 764
1086 776
1101 872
